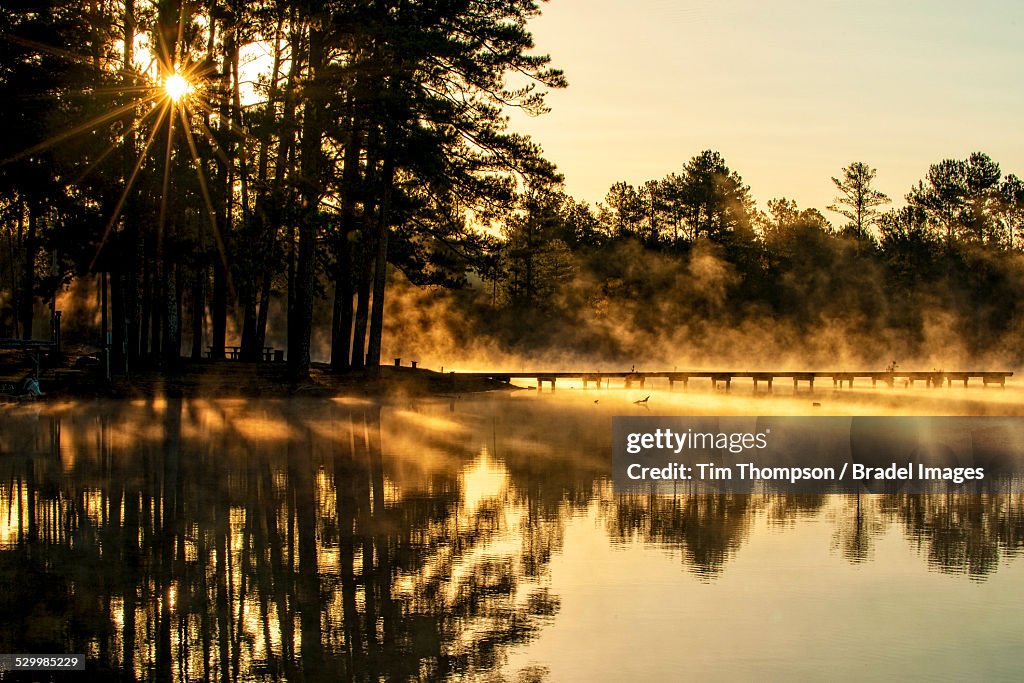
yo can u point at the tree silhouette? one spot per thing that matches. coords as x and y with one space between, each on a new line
960 198
858 201
537 259
1011 211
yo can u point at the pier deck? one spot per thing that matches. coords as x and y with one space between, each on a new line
724 378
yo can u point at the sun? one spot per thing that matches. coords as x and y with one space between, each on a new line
176 86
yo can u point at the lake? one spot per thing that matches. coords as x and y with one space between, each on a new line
479 538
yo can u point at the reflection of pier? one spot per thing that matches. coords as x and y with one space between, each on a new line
724 379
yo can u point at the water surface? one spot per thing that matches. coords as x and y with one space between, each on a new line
479 537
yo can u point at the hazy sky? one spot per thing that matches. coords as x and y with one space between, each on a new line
789 91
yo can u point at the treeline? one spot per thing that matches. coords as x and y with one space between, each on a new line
312 151
206 160
687 268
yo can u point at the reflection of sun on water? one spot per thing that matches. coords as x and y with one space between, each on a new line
13 503
482 480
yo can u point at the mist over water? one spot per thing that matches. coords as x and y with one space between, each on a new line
679 316
701 398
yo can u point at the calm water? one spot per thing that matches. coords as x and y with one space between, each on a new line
478 538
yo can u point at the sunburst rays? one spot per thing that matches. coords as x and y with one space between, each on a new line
176 92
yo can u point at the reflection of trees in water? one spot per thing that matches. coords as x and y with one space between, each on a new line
785 508
203 550
958 533
706 528
962 533
236 540
859 521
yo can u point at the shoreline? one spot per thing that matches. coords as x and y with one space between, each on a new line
237 379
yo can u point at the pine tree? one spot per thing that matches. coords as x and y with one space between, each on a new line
859 201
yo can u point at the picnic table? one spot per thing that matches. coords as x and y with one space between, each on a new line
235 353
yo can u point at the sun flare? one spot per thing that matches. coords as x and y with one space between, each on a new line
176 86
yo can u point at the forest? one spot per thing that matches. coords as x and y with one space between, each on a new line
342 176
209 160
687 269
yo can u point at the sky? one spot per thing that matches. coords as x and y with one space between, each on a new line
789 91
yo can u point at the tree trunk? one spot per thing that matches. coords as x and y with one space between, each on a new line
249 352
219 311
261 318
126 286
156 311
131 295
146 303
362 302
28 277
367 252
380 270
172 319
248 296
341 324
198 307
264 198
285 160
300 329
119 325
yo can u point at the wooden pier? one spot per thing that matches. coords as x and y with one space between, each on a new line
724 379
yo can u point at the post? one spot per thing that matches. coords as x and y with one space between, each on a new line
104 325
398 362
57 342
